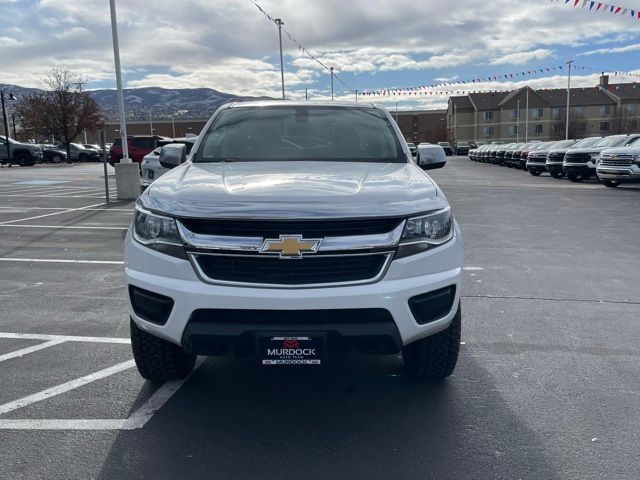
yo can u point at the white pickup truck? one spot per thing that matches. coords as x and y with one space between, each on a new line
294 230
618 165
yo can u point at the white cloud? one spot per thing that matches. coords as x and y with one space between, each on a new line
522 58
607 51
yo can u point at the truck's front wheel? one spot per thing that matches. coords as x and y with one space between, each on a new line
434 357
159 360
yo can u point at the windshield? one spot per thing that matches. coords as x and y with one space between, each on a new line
613 141
323 133
563 144
587 142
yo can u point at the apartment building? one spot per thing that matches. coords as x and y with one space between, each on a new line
604 109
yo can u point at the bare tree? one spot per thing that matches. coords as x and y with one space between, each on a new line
623 121
575 120
63 110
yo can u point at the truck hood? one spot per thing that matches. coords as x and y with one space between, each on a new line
293 189
589 149
631 150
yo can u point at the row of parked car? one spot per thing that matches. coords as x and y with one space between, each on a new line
27 154
612 160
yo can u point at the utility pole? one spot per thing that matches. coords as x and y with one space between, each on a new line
173 125
566 132
85 136
526 119
6 125
13 120
518 124
280 23
306 94
116 58
150 124
331 69
356 96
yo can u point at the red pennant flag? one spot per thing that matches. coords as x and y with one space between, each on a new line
617 10
598 6
575 4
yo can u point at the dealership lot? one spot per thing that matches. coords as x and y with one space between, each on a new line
547 386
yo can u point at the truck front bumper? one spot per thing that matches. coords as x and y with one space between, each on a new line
588 168
189 305
619 173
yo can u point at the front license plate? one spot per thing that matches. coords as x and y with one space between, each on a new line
150 174
307 349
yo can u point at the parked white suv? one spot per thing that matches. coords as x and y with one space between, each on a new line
294 229
618 165
150 168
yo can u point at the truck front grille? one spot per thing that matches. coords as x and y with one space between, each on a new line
577 157
616 160
555 157
308 271
307 228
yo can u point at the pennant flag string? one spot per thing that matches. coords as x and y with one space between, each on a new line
302 49
604 7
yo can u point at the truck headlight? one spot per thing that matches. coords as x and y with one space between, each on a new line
422 233
636 159
158 232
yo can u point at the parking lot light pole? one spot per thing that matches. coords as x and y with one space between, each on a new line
127 173
518 124
151 125
173 125
6 124
331 70
280 23
526 118
566 132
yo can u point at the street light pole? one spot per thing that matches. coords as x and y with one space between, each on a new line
331 70
356 96
13 120
6 124
518 124
150 124
279 22
173 125
116 58
566 132
526 119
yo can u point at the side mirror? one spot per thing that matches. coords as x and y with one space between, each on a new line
431 157
433 166
173 155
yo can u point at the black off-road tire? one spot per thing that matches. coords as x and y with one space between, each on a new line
159 360
557 174
23 159
575 177
610 183
535 173
434 357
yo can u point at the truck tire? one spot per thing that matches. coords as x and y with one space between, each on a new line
557 174
535 173
23 159
83 158
434 357
159 360
610 183
574 177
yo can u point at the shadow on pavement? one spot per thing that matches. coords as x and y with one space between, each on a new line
356 419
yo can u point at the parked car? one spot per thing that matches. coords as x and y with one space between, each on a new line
91 146
412 148
508 154
249 248
139 146
462 148
53 154
580 163
500 153
23 154
430 156
150 166
618 165
448 150
521 162
537 159
514 160
555 158
79 153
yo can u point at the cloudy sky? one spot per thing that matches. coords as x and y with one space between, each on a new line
229 45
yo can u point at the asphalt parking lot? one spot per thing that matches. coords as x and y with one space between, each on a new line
547 385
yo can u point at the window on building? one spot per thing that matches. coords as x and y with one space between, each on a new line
557 112
514 114
488 116
513 130
631 108
538 113
537 129
558 127
604 126
605 110
579 110
488 131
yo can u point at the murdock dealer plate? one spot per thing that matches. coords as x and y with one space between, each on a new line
291 349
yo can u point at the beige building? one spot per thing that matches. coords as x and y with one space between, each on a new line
527 114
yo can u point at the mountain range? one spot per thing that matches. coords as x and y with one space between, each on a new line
159 102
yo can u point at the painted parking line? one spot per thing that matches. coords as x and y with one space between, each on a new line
51 214
66 338
29 208
65 387
68 227
63 260
34 348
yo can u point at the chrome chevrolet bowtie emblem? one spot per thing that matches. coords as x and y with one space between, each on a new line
290 246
